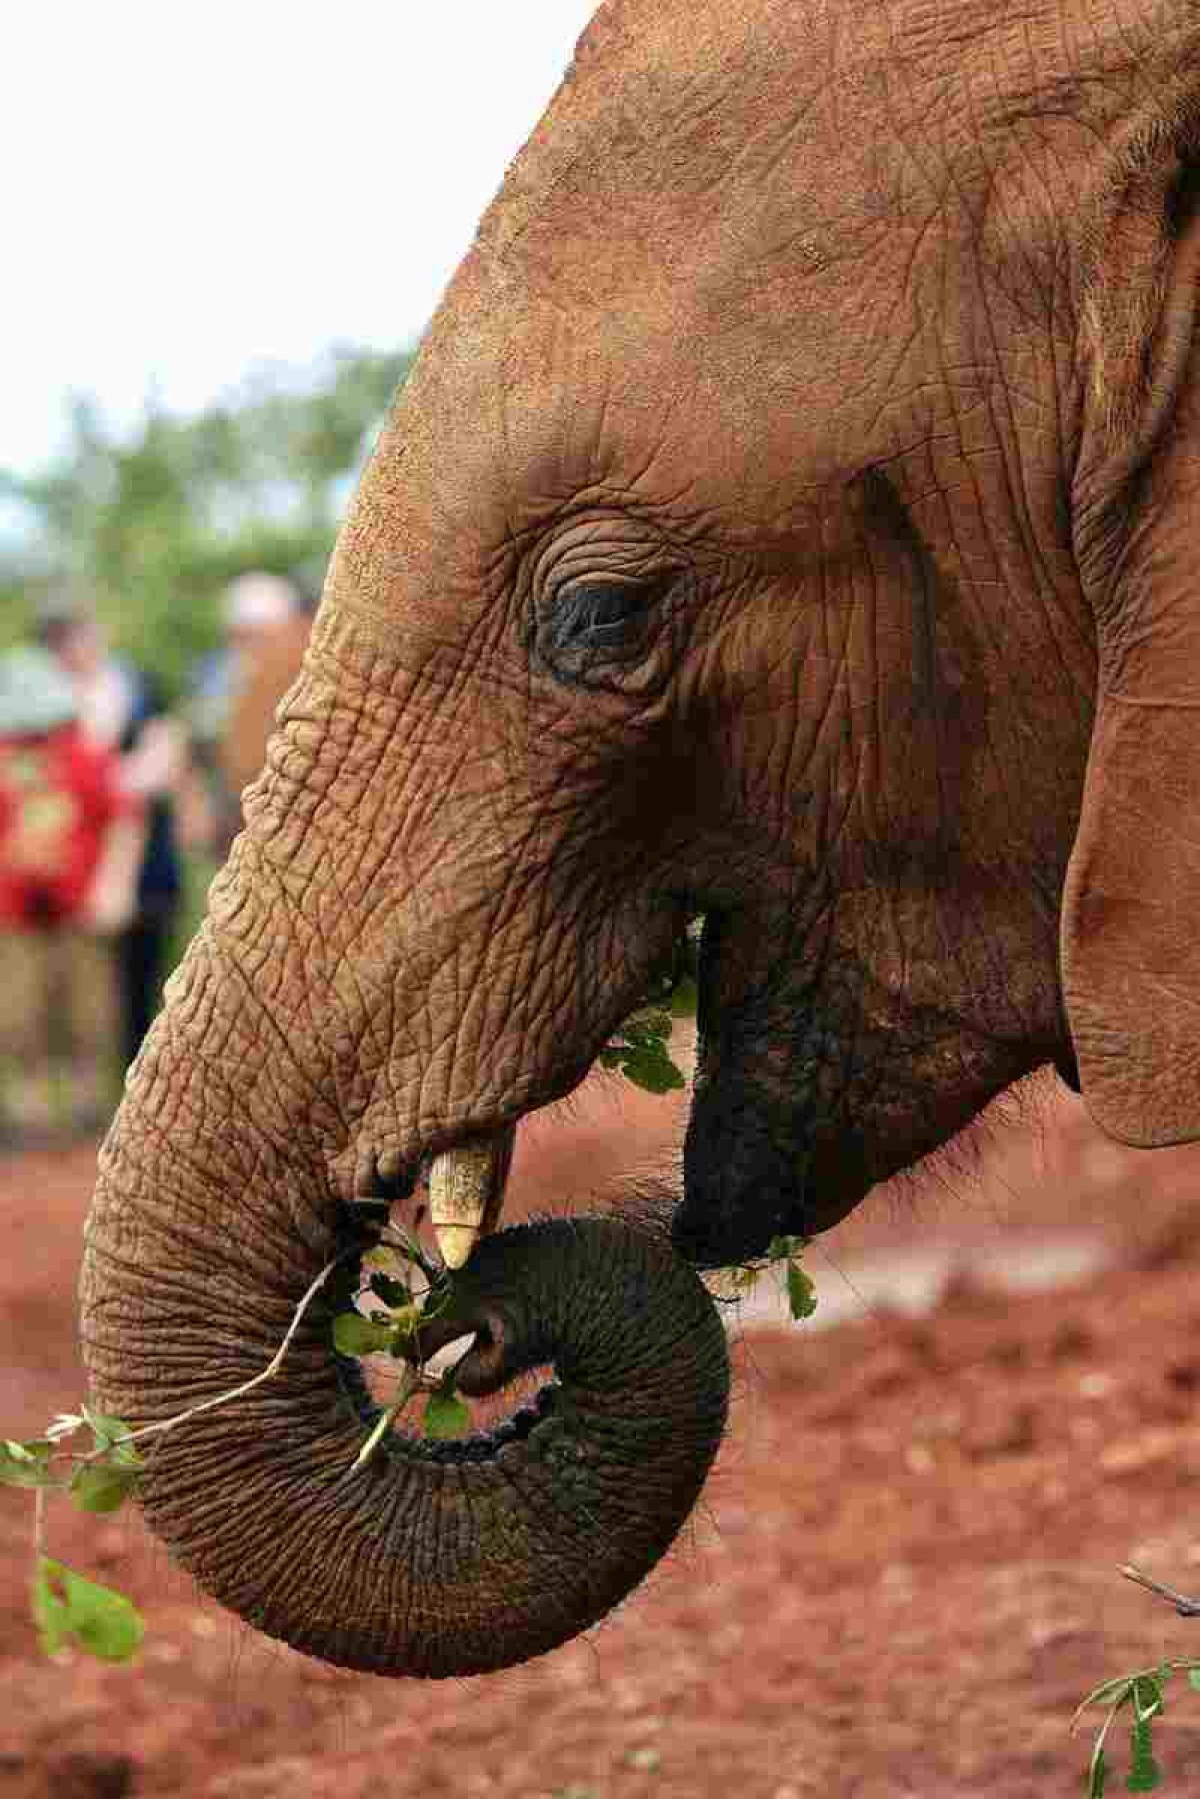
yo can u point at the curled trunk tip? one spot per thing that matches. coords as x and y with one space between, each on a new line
434 1559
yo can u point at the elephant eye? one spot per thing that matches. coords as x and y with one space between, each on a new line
590 628
598 611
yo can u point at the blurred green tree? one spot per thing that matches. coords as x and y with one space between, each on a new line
153 523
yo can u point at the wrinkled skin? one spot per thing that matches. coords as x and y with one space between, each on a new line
274 663
448 1556
790 517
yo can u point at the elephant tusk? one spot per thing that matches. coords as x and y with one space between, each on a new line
466 1191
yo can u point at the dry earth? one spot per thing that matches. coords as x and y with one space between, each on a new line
902 1580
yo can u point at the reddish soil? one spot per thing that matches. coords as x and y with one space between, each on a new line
901 1583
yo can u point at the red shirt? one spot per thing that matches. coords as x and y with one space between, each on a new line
58 795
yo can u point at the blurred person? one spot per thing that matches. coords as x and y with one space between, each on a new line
266 624
61 846
267 673
122 709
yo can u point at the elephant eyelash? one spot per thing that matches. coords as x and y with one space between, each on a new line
594 632
598 612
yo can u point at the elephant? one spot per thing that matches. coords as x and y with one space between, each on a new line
788 522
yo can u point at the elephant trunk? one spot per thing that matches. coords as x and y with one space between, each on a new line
432 1558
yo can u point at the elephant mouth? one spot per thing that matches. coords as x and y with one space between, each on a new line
460 1189
755 1167
739 1187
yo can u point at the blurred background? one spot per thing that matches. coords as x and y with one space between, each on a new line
228 228
228 241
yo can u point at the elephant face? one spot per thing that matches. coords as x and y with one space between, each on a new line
688 578
744 544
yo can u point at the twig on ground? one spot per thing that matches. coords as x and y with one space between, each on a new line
1187 1608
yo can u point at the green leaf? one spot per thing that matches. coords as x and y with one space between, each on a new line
408 1246
1147 1696
782 1249
103 1486
109 1434
405 1323
392 1292
653 1071
1193 1675
1144 1773
105 1428
65 1606
656 1025
647 1029
26 1464
1097 1774
683 1000
355 1335
446 1416
802 1296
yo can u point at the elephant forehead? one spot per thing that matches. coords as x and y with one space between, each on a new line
748 151
751 169
702 268
524 402
739 242
695 115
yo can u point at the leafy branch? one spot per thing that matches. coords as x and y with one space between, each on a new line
100 1478
638 1048
392 1328
1141 1695
802 1295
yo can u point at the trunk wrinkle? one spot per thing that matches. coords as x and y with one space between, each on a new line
436 1558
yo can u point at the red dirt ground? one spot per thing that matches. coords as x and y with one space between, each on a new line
902 1581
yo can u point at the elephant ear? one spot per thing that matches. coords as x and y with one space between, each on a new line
1131 917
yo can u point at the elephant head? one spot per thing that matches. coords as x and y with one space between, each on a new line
787 520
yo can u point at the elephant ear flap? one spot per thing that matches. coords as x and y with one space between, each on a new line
1131 912
1131 920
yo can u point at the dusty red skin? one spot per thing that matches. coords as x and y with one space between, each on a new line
789 517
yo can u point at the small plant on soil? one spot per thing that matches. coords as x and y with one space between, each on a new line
1141 1697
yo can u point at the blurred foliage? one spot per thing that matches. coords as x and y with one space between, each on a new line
152 524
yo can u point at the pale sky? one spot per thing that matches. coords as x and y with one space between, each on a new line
190 191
